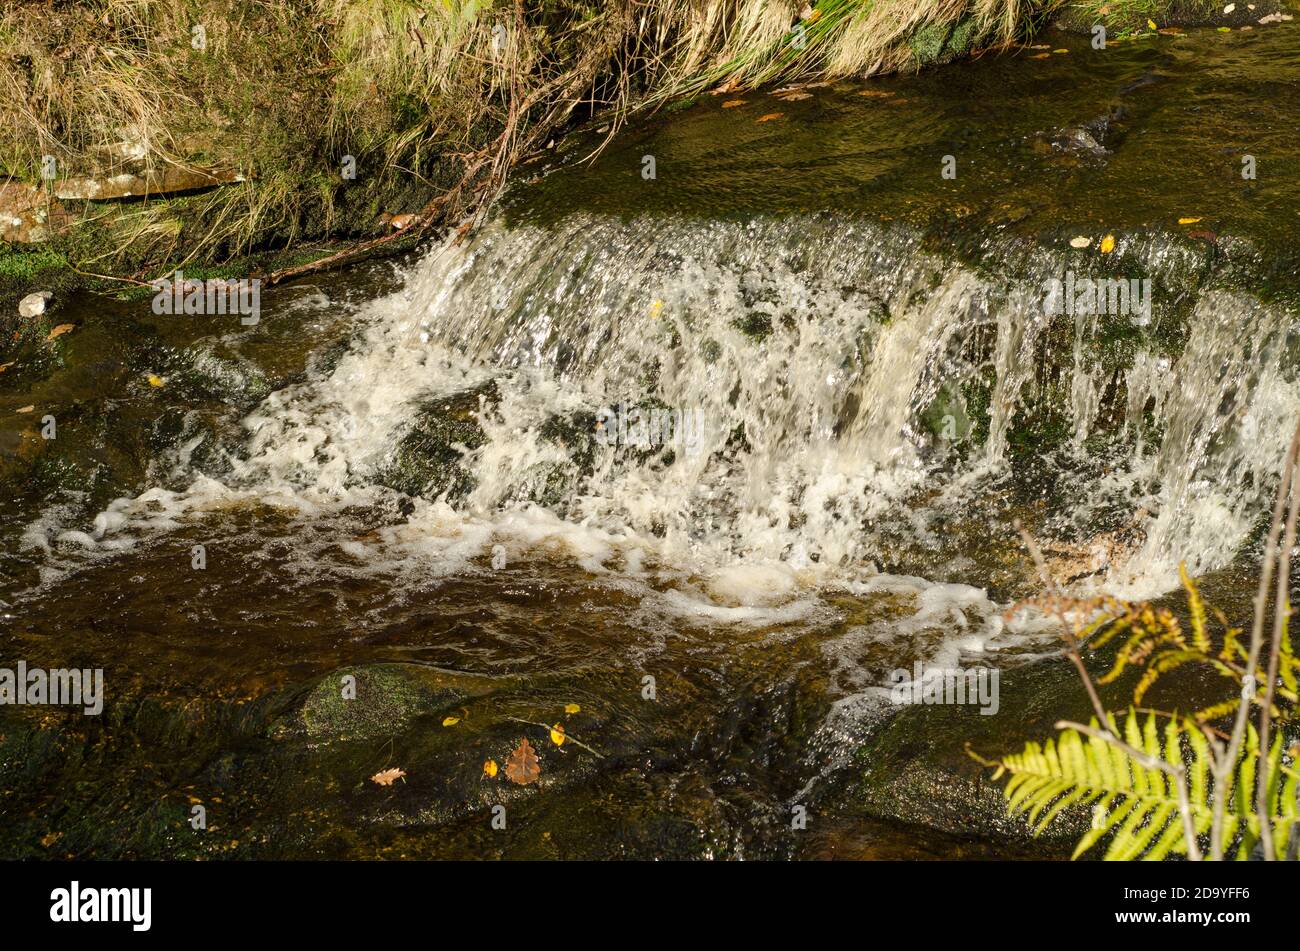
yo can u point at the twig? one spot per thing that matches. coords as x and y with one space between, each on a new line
1225 763
1281 618
568 737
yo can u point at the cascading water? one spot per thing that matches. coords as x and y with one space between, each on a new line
755 434
748 403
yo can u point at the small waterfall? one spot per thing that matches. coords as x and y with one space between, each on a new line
773 393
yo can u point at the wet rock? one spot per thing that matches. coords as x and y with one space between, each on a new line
33 305
916 767
426 461
381 700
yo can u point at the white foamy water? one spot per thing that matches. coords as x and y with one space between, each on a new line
829 368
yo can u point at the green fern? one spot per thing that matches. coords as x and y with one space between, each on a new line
1137 806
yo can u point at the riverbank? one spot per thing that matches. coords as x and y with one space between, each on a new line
233 136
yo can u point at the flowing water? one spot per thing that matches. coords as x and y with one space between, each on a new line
707 454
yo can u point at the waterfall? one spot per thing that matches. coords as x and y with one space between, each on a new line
776 394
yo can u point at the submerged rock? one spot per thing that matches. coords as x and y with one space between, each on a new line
382 700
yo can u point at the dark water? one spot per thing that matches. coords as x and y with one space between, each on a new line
224 684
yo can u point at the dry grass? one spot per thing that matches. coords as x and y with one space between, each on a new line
416 90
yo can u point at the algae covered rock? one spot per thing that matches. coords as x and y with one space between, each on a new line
383 699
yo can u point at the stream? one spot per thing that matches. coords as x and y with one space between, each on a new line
691 464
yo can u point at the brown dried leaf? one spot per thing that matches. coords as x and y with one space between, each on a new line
733 103
770 116
385 777
60 330
522 766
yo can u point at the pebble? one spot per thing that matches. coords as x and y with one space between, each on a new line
33 305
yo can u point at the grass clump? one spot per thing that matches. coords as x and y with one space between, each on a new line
430 103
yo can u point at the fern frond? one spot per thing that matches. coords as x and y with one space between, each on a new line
1136 805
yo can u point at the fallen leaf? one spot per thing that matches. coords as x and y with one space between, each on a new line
5 366
154 381
1188 221
770 116
1040 56
733 103
1060 51
557 734
26 409
1229 8
60 330
572 708
450 721
490 769
385 777
656 308
876 93
1151 25
794 96
1080 242
1108 244
522 766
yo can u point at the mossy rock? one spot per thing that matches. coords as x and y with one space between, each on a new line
1122 18
917 768
426 461
388 698
935 43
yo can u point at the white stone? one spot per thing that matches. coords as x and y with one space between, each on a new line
33 305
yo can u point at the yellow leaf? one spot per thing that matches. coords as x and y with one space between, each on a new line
490 769
450 721
385 777
1060 51
557 734
656 308
1108 244
1040 56
1151 25
733 103
154 380
572 708
770 116
5 366
1188 221
60 330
